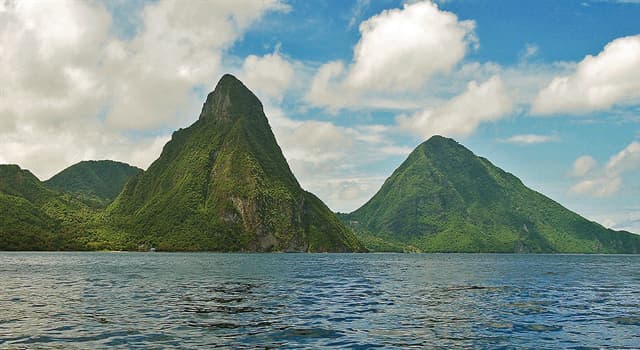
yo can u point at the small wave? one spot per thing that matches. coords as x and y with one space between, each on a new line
626 320
220 309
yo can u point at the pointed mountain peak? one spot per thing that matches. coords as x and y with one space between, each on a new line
444 198
440 142
435 139
230 99
441 147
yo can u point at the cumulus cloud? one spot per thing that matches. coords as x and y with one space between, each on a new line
402 48
63 71
178 48
599 82
269 75
531 139
608 180
582 166
599 187
335 162
461 115
47 151
626 160
399 50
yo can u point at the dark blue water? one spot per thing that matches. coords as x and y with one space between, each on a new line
130 300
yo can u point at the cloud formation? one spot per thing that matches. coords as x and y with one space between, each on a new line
531 139
608 180
461 115
335 162
583 166
269 75
65 76
399 50
599 82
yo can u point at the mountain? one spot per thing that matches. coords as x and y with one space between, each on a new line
222 184
33 217
97 183
444 198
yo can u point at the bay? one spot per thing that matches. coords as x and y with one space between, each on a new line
206 300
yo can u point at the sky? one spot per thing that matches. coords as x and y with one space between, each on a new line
547 90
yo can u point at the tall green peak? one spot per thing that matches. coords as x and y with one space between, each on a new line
439 139
97 182
439 145
444 198
223 184
229 100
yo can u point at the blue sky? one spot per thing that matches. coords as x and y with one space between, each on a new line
547 90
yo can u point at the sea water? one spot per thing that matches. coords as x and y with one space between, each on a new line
203 300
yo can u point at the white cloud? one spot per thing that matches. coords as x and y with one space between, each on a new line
396 150
625 218
46 151
269 75
630 225
179 47
349 193
599 82
316 142
461 115
583 166
325 87
70 89
402 48
530 139
626 160
333 161
599 187
609 179
399 50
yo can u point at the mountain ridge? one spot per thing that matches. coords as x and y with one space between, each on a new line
96 182
224 182
445 198
34 217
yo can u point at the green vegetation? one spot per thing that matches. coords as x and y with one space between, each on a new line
222 184
34 217
444 198
96 183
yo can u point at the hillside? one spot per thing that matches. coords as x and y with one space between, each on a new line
33 217
97 183
443 198
222 184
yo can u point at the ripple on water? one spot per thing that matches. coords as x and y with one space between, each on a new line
627 320
249 301
536 328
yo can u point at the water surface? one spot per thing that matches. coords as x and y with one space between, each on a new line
184 301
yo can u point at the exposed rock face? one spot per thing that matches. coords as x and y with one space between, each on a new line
222 184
